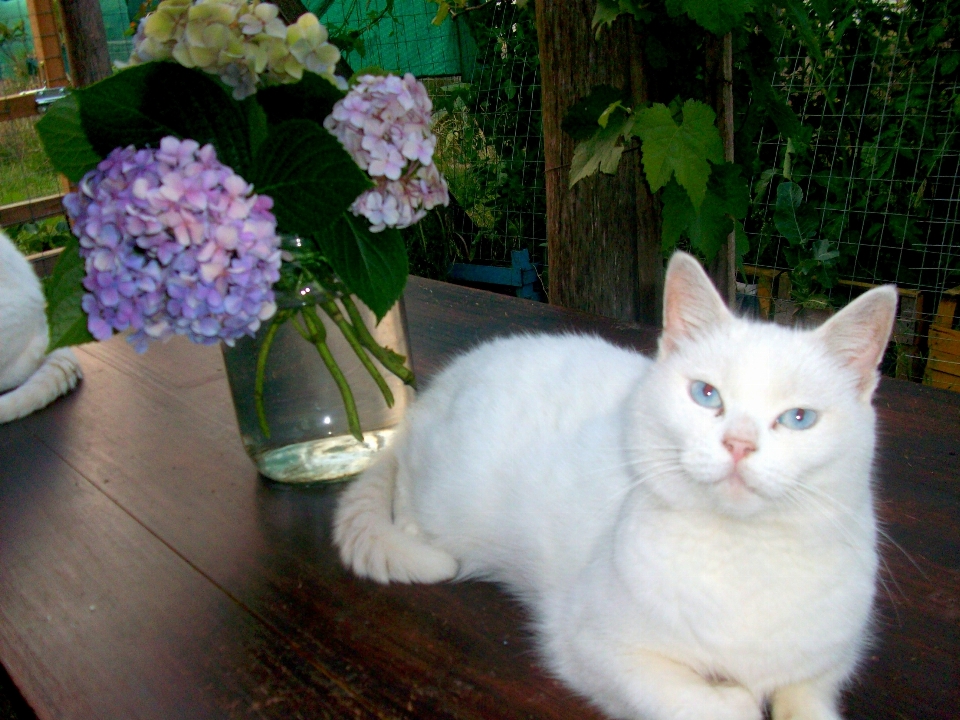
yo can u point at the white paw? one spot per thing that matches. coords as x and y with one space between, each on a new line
734 702
801 702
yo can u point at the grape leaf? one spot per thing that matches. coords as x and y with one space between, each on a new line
372 265
609 10
64 140
707 228
731 188
717 16
682 150
603 150
726 199
66 320
582 118
795 221
309 175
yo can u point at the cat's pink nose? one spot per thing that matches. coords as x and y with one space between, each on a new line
738 448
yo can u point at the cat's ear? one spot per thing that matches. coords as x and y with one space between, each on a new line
859 333
690 302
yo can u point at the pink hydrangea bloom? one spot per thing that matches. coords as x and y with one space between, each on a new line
174 242
385 123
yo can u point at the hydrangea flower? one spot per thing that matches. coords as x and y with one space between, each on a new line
385 123
241 41
174 242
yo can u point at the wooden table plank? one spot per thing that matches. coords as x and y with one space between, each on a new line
100 619
145 486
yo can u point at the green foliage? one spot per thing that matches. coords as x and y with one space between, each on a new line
366 261
716 16
862 165
725 202
682 149
145 103
583 117
602 150
64 140
296 166
40 236
66 319
874 154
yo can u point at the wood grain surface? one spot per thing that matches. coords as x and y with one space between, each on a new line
147 572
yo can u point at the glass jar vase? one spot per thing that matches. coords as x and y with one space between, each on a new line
301 433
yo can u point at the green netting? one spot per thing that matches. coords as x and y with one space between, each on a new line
402 39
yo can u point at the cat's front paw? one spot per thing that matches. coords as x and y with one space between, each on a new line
734 702
804 701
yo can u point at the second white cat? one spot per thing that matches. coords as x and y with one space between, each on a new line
694 534
33 378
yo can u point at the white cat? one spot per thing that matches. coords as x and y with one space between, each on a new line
694 535
33 378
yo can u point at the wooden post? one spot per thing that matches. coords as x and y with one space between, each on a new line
86 38
46 43
719 62
603 234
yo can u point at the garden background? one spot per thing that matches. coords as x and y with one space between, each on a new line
876 148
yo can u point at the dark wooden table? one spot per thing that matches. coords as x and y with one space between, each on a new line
147 572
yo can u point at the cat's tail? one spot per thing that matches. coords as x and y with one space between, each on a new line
57 375
372 545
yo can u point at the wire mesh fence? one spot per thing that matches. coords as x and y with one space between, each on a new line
879 176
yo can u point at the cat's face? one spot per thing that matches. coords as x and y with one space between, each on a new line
739 416
753 414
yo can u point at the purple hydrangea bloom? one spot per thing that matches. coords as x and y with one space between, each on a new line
174 243
385 124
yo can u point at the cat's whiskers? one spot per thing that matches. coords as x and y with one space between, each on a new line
857 519
824 502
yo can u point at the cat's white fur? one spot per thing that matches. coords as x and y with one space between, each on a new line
668 575
29 377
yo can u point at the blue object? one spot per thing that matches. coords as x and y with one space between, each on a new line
522 274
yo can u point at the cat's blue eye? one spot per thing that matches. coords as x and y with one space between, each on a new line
705 394
798 419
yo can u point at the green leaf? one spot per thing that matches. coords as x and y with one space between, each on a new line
718 16
142 104
372 265
309 175
256 122
707 229
742 241
312 98
795 221
727 197
683 149
730 189
64 289
442 11
582 118
64 140
603 150
778 110
798 12
607 12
